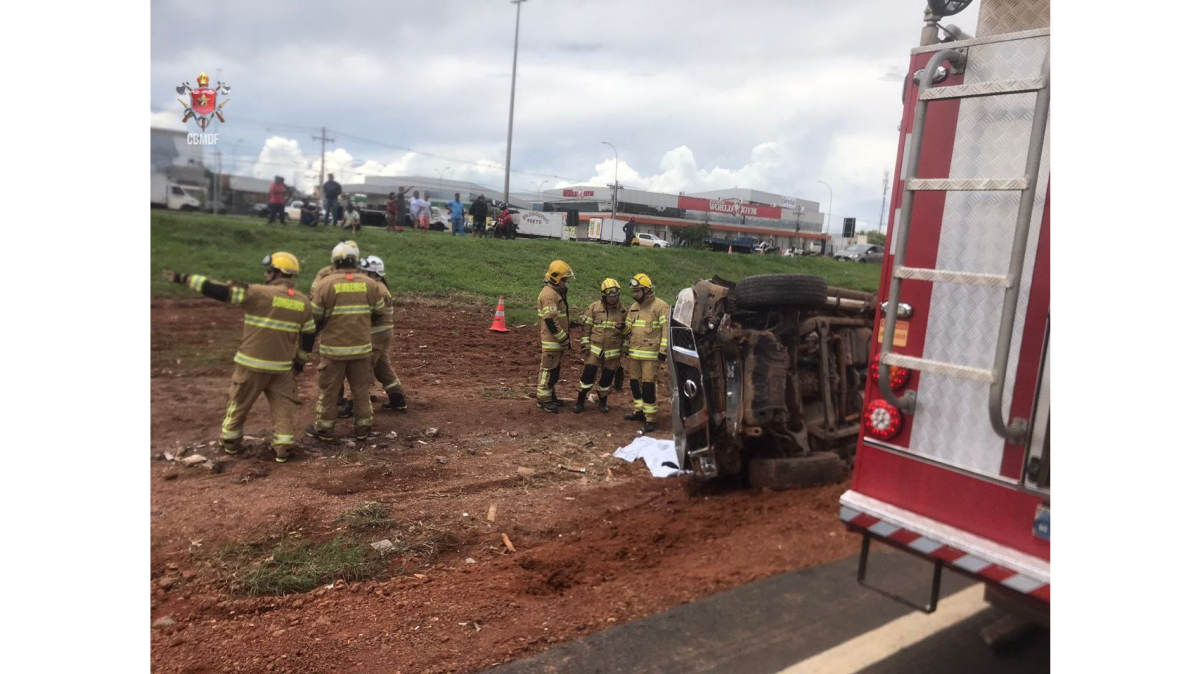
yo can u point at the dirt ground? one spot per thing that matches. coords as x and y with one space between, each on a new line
593 549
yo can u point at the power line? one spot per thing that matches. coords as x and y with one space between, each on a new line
269 125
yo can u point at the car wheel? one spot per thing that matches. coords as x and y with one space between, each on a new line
814 470
657 246
768 291
863 261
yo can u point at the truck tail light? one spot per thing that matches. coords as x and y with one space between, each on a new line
899 375
883 420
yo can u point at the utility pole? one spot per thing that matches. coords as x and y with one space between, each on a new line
324 139
216 193
512 99
883 201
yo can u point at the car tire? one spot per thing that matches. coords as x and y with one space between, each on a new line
657 246
814 470
768 291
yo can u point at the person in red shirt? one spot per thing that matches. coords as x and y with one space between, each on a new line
276 194
393 211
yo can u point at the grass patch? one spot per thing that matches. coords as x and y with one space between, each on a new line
500 392
368 515
460 270
295 565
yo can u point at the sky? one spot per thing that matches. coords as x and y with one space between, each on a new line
695 95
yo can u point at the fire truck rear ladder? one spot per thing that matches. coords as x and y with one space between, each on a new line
1015 432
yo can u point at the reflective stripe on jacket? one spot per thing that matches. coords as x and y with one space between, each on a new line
647 328
600 334
344 303
550 304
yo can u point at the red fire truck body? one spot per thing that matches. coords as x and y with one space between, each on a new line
967 356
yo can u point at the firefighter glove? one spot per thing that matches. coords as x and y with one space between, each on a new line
174 276
297 367
662 356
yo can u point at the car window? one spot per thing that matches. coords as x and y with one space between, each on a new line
177 191
858 248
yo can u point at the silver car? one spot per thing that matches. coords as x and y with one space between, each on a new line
861 252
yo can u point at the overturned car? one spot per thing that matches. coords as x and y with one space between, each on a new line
767 378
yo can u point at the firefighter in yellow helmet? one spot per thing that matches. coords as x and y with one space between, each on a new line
277 335
344 304
554 316
646 326
600 342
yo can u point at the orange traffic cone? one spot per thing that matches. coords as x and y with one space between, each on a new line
498 324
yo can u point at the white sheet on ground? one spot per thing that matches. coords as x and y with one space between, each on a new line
659 455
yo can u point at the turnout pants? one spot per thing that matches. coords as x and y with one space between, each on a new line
330 374
381 362
548 375
608 369
280 390
642 377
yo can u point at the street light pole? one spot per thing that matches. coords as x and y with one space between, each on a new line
616 166
512 99
539 187
828 215
440 176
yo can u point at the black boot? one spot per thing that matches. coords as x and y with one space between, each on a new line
636 416
579 401
603 407
312 432
555 401
395 402
547 406
345 409
648 428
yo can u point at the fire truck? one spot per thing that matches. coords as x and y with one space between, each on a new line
953 460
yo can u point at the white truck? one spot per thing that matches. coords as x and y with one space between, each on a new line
165 193
541 225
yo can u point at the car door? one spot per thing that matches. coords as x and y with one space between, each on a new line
874 254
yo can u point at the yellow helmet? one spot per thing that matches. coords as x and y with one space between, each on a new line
559 271
285 263
641 281
610 287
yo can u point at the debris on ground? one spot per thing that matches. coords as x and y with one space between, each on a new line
659 456
491 515
522 470
193 459
507 543
165 621
384 546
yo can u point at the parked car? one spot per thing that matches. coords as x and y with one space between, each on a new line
292 210
860 252
650 241
767 378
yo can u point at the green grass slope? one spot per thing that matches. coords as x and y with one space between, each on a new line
435 264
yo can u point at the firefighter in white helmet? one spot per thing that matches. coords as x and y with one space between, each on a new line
381 342
344 304
553 312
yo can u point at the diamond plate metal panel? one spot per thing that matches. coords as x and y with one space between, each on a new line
1009 16
951 420
983 89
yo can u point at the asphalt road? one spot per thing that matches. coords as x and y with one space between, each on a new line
815 620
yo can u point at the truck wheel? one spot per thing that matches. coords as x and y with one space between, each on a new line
768 291
814 470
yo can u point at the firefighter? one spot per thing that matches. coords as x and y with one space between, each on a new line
646 326
381 342
344 304
603 322
326 271
553 312
277 335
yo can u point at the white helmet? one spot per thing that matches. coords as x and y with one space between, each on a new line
372 264
344 250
